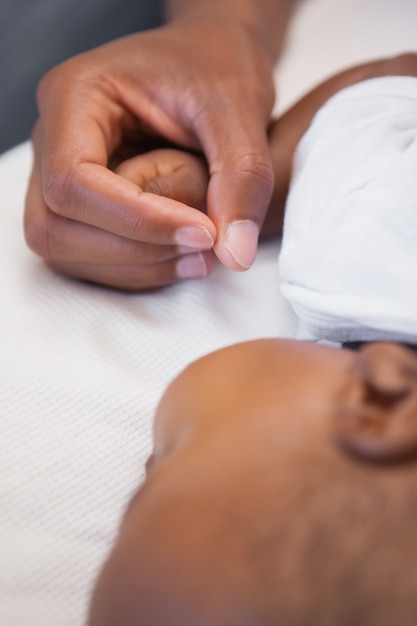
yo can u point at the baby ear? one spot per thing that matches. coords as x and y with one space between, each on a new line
378 420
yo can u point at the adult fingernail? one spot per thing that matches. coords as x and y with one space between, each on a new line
194 237
242 241
192 266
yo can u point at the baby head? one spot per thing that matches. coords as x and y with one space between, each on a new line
282 491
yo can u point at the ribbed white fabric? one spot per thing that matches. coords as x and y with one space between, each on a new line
349 252
81 371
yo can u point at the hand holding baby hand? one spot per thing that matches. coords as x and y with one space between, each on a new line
90 222
170 240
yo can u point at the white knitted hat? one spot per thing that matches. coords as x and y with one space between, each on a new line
348 262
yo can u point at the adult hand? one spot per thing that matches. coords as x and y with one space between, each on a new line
202 83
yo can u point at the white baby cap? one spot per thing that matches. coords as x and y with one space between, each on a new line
348 261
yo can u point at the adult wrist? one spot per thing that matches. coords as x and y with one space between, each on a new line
266 19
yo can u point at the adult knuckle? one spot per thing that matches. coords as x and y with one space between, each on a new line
38 233
34 233
130 251
129 223
256 166
60 190
60 78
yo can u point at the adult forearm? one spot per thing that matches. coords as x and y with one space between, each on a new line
268 17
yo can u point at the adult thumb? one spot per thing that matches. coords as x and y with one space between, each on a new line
241 184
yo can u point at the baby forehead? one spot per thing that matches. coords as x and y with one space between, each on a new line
243 387
248 362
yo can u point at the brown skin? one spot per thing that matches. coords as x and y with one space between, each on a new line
219 532
168 182
280 490
169 84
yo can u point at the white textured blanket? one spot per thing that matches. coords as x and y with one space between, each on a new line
82 368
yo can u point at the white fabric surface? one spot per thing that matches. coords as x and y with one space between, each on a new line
82 368
349 252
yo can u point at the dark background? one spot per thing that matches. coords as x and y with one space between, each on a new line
35 35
